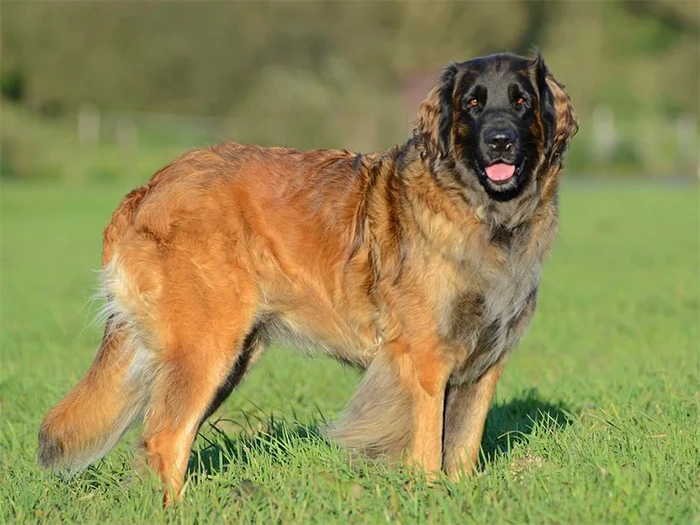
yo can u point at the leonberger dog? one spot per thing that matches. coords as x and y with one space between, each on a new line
419 264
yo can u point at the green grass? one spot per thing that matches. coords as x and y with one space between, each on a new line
595 419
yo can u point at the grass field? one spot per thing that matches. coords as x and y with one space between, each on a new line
595 419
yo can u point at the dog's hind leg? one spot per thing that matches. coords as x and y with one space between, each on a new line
198 369
187 390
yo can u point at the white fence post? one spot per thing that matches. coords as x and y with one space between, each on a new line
604 133
687 141
125 133
88 124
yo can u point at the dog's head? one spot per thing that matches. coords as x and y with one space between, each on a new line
500 119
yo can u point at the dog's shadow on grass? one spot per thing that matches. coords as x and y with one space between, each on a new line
513 422
509 424
275 439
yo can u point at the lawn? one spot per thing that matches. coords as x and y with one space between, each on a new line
595 419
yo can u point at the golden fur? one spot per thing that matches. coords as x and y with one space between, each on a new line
378 260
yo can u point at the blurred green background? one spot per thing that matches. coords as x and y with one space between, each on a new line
596 417
110 90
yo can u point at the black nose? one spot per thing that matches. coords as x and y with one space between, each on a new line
500 140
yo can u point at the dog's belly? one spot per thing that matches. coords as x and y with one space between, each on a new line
325 333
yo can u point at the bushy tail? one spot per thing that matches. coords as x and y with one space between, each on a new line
378 419
91 418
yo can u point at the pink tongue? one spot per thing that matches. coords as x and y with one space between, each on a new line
500 171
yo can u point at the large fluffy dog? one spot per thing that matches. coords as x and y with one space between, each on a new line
420 264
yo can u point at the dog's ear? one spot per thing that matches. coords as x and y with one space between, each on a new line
558 115
436 115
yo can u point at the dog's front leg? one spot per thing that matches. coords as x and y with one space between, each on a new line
426 445
425 369
466 407
397 411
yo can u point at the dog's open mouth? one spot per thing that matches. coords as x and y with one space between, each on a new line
500 172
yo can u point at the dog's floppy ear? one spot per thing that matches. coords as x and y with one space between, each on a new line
436 114
558 115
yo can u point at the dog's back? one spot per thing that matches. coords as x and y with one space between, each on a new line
220 251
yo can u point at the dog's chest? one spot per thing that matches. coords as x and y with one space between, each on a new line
490 318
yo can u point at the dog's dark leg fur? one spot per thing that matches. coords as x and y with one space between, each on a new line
466 407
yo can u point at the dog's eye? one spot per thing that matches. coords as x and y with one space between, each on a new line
521 102
472 103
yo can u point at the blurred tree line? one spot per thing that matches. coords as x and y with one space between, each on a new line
323 74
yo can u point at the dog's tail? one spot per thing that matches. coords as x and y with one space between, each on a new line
378 419
91 418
